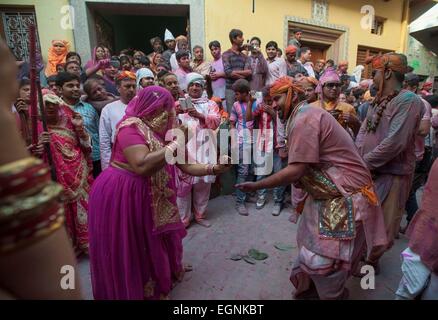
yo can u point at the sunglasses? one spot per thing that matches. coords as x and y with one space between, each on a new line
332 85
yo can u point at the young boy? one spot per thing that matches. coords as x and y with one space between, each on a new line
267 158
240 120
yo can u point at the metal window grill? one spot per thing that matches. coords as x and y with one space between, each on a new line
16 29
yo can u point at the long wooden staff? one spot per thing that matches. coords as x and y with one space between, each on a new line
33 89
44 121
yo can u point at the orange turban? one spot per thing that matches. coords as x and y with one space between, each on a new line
309 81
289 86
393 61
126 75
291 49
54 58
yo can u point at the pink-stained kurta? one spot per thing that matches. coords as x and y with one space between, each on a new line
423 230
317 139
200 149
390 151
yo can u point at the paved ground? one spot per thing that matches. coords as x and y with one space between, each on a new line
215 276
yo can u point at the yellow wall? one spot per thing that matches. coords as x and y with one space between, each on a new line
48 15
268 21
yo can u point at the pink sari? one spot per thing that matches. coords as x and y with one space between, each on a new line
135 230
74 172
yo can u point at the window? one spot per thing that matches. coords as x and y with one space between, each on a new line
377 27
362 53
14 28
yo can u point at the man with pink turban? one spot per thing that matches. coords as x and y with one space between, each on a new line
329 90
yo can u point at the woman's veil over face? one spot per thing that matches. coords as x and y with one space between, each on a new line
155 106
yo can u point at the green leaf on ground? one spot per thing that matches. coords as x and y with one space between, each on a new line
283 246
257 255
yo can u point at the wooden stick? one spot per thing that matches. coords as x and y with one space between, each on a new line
44 122
33 89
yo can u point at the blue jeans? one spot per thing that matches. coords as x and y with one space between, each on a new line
243 172
278 192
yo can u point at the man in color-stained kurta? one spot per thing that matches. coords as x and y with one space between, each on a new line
202 120
329 90
386 141
341 212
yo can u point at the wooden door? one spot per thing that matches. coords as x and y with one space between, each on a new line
104 32
362 53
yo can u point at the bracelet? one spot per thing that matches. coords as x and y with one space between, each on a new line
29 204
210 170
173 146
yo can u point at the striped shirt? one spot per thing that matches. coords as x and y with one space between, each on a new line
234 62
238 116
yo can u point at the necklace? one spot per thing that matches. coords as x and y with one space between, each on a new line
380 107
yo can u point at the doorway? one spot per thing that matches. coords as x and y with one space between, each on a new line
124 26
319 50
325 42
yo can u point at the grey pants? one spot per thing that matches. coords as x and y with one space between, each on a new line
230 99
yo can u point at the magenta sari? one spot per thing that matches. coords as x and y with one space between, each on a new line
135 230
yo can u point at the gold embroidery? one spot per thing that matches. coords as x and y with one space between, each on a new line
336 214
159 123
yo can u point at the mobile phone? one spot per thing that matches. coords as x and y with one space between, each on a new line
189 103
183 104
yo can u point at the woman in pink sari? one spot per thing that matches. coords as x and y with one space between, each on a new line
98 62
135 229
70 146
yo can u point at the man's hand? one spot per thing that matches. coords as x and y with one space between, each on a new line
195 114
214 76
268 109
282 153
247 186
237 75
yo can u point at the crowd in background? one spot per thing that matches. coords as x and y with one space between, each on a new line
86 106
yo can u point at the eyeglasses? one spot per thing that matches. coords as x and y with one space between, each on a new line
332 85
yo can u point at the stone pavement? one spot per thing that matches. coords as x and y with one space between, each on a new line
215 276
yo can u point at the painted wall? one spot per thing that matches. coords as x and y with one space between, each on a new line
268 21
421 59
48 15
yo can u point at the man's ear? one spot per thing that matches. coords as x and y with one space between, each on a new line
388 74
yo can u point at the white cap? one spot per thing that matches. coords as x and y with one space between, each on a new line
168 36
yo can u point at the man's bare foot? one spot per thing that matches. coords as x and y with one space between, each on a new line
188 268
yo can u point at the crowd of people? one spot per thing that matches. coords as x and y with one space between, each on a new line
355 151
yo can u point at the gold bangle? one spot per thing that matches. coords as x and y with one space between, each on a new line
18 166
